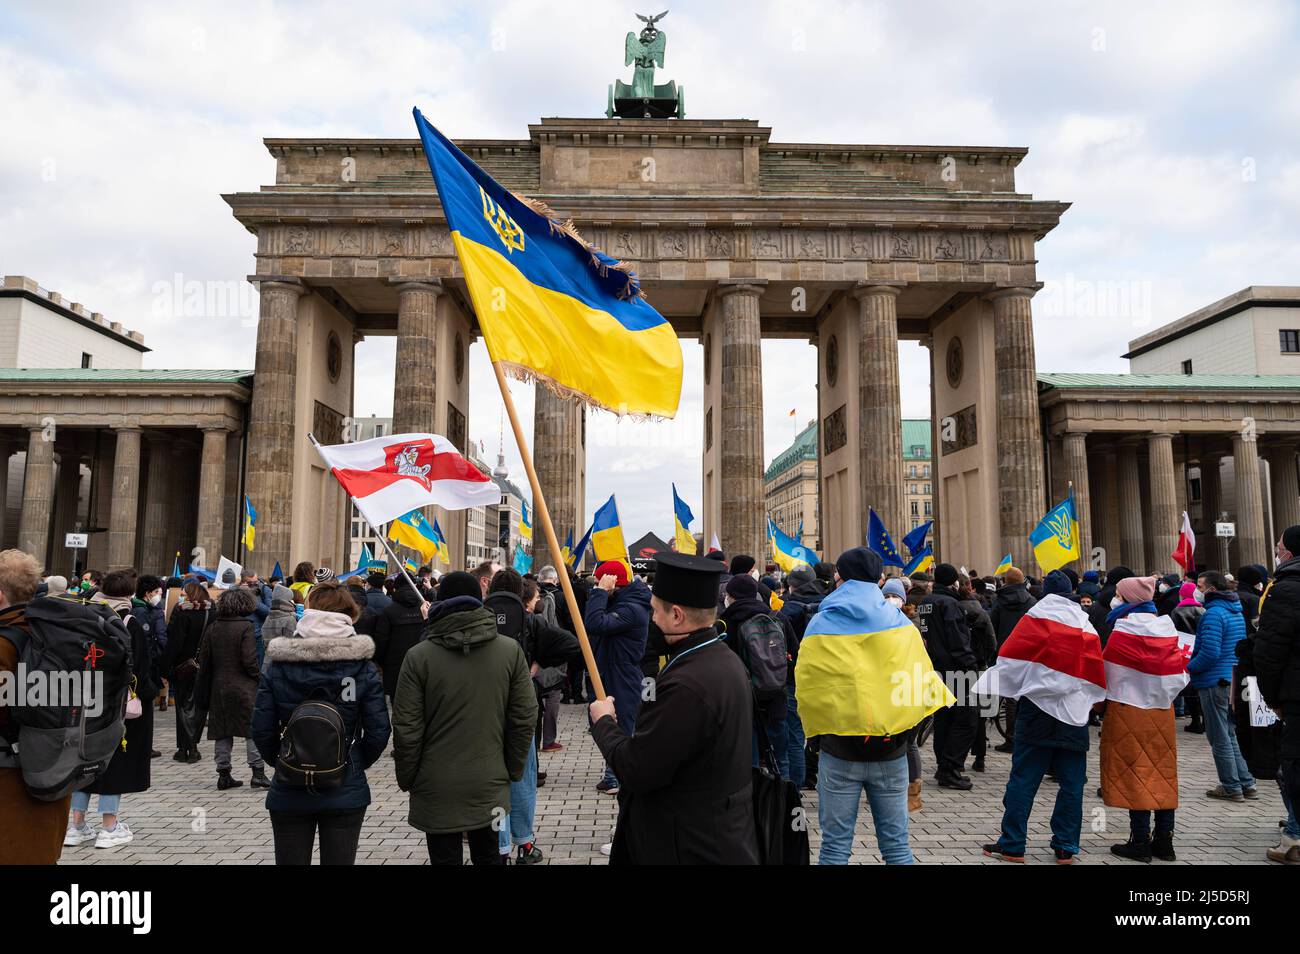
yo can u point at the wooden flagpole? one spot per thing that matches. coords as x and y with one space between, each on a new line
543 514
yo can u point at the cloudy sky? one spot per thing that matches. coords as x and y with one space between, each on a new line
1172 127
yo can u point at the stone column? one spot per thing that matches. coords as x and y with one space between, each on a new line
1251 543
880 415
1106 531
1132 546
1211 507
1286 487
741 432
1165 519
67 492
156 529
1021 500
183 505
557 447
38 494
6 451
126 499
271 432
212 497
1076 470
414 405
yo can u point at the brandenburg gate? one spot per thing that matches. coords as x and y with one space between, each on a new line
736 238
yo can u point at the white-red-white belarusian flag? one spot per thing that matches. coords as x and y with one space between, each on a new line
1185 553
1146 661
1053 659
391 476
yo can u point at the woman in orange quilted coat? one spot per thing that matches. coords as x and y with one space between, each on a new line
1139 749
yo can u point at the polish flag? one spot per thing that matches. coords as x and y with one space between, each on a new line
1185 553
1146 661
1053 659
390 476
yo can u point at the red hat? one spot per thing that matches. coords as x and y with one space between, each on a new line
615 569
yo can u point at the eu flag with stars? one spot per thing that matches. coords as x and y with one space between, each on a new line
878 539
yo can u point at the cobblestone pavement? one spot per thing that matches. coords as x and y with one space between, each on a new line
183 819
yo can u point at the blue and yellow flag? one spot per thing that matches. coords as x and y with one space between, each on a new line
443 554
915 539
550 305
920 562
878 540
176 565
523 562
787 553
250 523
1056 538
863 669
607 535
1003 566
580 550
682 518
414 530
566 551
525 525
409 565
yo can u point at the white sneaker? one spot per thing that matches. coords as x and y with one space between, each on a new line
606 849
75 836
120 835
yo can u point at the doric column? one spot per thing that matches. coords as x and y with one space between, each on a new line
414 406
6 451
38 494
1285 486
1076 470
156 530
741 432
271 432
1106 530
1211 509
1251 543
212 497
557 448
126 499
1020 448
66 497
880 415
1165 520
1132 546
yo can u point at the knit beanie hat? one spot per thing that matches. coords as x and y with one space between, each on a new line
1136 589
894 587
945 574
459 583
741 563
859 563
1058 583
615 569
742 587
324 575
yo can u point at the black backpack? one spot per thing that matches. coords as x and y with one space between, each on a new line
61 744
509 615
314 747
763 650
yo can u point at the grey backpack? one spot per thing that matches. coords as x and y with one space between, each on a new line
762 649
63 739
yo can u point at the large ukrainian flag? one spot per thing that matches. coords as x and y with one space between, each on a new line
550 305
1056 538
607 534
863 669
682 518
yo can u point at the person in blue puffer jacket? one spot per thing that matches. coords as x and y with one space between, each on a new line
1210 668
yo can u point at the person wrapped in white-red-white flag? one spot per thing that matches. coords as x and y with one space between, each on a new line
391 476
1185 553
1053 659
1146 667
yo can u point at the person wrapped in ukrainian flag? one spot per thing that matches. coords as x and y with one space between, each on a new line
864 682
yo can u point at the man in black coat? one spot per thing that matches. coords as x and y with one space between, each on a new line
685 780
942 623
1277 661
399 627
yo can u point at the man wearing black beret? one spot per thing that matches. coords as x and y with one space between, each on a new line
942 623
684 773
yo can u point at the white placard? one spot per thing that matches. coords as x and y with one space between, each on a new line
1228 530
77 541
1261 716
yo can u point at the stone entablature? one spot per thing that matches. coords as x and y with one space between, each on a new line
1147 410
124 404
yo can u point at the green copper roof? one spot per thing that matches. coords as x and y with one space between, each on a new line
160 376
916 433
1199 382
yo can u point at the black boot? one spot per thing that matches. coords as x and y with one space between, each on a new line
225 781
180 756
259 779
194 755
951 780
978 765
1135 849
1162 846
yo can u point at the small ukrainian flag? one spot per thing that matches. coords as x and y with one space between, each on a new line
1003 566
414 530
607 535
682 518
250 523
525 525
443 553
1056 538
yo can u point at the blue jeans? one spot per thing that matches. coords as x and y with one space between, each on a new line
108 804
1221 730
523 804
774 714
839 792
1139 823
1292 827
794 740
1029 763
628 725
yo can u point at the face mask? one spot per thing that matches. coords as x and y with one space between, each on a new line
1198 596
155 599
754 573
1116 603
894 600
